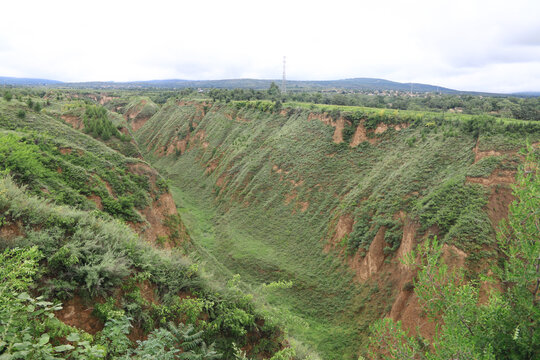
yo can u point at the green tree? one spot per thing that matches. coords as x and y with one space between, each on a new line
273 91
8 95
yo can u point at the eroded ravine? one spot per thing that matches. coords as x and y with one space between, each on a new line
278 197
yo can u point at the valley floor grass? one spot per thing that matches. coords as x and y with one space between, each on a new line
334 333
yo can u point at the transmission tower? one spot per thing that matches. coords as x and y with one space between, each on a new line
283 81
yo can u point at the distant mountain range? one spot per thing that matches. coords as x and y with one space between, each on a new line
27 81
527 93
257 84
260 84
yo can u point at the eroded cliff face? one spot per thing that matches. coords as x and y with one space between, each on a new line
68 199
375 265
92 173
138 111
344 200
162 225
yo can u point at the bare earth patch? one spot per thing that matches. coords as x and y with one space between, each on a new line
157 213
338 132
498 177
77 314
359 136
499 200
343 228
11 230
96 200
132 116
381 128
75 121
371 263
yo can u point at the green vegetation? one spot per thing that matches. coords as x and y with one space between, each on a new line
92 257
527 108
281 212
505 326
457 211
98 124
59 245
142 105
247 214
71 176
8 95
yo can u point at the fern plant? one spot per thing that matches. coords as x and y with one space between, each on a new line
176 342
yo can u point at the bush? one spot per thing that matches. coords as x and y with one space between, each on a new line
97 123
21 314
22 159
114 337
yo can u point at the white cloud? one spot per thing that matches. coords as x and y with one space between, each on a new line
469 45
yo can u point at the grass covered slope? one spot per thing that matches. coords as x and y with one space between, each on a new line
60 163
325 198
136 292
81 225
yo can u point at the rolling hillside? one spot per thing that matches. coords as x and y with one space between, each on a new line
257 84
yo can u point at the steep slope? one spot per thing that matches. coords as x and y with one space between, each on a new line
330 199
138 111
83 225
110 289
62 164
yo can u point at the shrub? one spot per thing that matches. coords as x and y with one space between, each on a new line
22 159
21 314
8 95
97 123
114 336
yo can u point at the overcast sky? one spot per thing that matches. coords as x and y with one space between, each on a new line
468 45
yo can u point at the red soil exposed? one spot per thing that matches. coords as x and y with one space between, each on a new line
373 261
78 314
96 200
338 124
75 121
496 178
133 116
157 213
11 230
499 200
343 228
